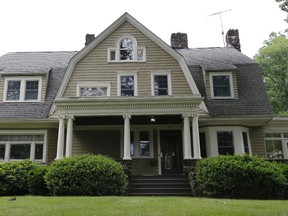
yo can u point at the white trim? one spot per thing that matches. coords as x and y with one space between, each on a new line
93 84
163 73
23 81
125 73
8 144
212 74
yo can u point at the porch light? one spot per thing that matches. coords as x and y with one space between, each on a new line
152 119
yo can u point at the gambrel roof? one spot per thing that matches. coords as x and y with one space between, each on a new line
30 63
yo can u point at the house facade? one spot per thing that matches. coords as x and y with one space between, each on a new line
129 95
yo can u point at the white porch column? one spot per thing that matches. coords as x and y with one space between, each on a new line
69 137
32 151
127 155
187 139
196 140
60 142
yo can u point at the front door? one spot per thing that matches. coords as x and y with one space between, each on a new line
171 151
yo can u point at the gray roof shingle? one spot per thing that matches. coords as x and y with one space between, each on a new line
253 99
54 63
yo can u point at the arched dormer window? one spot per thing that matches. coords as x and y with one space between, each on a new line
126 50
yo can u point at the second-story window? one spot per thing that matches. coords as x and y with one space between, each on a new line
161 83
22 89
221 85
127 84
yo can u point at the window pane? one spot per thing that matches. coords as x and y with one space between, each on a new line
126 49
140 55
274 149
160 85
225 143
20 151
144 143
2 152
38 151
221 86
93 91
127 85
245 142
112 55
13 90
132 143
31 92
203 145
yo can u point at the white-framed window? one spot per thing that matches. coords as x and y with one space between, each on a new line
141 143
161 83
23 145
127 50
221 85
22 89
276 145
127 84
93 89
224 140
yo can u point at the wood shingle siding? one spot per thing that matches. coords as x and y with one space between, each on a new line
94 67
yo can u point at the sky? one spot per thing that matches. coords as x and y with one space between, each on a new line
61 25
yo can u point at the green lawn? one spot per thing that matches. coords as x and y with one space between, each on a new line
134 206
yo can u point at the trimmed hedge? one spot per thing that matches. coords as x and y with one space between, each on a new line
36 182
85 175
14 177
240 177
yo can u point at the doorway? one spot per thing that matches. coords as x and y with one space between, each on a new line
171 152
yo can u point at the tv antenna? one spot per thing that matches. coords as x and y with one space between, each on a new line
219 13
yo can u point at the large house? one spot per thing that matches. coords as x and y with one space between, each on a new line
129 95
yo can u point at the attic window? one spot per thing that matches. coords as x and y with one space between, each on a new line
93 89
126 50
221 85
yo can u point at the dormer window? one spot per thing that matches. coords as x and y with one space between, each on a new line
221 85
22 89
126 50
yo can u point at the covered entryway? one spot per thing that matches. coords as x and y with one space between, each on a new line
171 152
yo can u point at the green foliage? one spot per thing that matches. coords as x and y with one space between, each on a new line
284 6
14 177
284 167
86 175
240 177
272 59
36 182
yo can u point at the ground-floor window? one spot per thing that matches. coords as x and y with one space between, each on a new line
276 145
225 143
22 146
141 144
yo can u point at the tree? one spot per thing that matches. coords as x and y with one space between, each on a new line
284 6
273 60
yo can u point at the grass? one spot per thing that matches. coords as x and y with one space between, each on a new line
138 206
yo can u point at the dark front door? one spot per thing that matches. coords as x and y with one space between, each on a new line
171 151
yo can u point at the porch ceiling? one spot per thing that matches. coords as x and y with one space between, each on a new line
135 120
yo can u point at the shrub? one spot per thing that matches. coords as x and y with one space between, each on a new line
85 175
14 177
240 177
36 181
284 167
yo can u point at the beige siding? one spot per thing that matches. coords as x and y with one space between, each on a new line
257 141
144 167
97 142
95 68
52 137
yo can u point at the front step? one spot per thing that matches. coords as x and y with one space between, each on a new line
165 185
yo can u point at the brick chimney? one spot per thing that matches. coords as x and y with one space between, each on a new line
179 40
232 39
89 38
